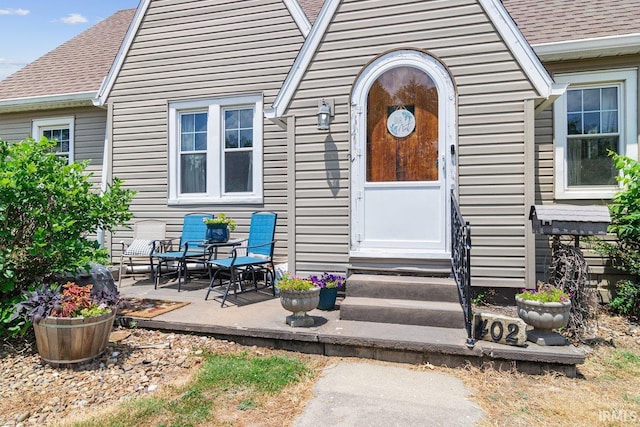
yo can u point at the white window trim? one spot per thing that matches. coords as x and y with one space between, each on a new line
214 151
628 78
40 125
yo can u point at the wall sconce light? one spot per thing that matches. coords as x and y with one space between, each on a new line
324 115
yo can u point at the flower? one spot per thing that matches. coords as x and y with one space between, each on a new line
544 293
328 281
221 219
292 283
68 300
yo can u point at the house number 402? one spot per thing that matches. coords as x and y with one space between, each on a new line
497 331
500 329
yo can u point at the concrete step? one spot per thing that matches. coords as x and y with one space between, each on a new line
405 312
402 287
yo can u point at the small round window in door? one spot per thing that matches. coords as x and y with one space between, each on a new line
402 127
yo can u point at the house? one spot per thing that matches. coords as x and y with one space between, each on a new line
214 108
56 95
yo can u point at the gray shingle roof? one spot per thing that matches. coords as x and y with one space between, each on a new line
78 65
546 21
311 8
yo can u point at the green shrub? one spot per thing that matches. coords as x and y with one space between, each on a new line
625 224
627 298
625 218
48 212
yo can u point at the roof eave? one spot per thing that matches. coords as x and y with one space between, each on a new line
108 82
298 16
517 43
595 47
302 61
513 38
48 102
557 90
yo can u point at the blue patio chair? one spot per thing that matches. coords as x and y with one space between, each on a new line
248 261
191 249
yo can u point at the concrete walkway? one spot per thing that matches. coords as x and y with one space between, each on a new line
372 394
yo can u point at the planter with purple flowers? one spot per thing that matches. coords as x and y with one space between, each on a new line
329 285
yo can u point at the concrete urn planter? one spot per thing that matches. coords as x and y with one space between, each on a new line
544 317
299 303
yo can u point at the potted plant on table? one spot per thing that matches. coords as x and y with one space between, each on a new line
218 228
329 285
545 308
298 296
72 323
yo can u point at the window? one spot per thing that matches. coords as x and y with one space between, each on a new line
59 129
598 113
215 151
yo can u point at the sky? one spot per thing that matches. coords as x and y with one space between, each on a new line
31 28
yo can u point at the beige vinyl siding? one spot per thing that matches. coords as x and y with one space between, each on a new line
89 133
545 177
491 88
187 50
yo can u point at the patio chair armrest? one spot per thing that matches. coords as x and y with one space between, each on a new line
268 244
168 243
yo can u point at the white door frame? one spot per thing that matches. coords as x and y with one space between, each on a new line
447 136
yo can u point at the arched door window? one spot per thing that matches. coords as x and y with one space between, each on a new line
402 127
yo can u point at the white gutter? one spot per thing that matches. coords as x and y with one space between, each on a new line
47 101
104 177
557 90
589 48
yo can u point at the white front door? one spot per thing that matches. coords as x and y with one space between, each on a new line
403 131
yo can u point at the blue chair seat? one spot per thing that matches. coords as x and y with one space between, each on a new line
241 261
179 254
258 260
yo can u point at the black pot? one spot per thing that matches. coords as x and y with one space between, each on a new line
217 233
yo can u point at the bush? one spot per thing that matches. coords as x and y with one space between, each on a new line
48 212
625 218
625 224
627 299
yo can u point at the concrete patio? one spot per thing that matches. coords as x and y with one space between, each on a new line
257 318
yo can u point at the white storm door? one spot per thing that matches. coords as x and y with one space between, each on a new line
400 202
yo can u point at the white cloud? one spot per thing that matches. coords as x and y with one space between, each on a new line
8 67
74 18
14 12
5 61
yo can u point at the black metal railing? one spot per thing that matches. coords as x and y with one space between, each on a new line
461 264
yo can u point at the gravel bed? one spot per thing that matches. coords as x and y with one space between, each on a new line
137 364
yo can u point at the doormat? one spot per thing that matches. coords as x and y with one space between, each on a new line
148 308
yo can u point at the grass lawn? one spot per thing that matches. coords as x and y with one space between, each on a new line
228 389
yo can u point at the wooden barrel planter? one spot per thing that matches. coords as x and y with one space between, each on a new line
63 340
